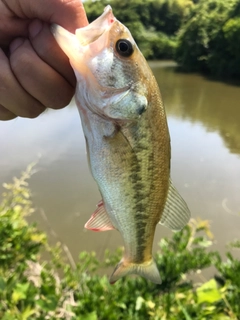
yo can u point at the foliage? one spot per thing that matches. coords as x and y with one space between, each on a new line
201 35
31 288
208 42
14 230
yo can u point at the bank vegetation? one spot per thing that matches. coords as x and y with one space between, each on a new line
33 288
201 35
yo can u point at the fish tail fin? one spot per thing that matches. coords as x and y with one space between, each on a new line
147 270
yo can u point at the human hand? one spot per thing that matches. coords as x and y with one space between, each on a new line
34 73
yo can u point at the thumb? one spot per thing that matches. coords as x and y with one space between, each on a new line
70 14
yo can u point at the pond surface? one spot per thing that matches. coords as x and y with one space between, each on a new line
204 123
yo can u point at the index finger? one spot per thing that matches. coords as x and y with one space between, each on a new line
70 14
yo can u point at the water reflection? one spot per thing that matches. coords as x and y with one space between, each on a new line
203 118
193 98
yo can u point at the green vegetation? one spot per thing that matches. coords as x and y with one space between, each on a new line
209 41
201 35
32 288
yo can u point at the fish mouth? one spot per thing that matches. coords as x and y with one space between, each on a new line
84 39
94 30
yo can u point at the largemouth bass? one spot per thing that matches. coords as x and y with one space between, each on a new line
127 139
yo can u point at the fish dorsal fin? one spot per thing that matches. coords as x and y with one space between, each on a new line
99 220
176 213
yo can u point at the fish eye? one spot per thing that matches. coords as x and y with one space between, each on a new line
124 47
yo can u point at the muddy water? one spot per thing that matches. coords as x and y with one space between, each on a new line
204 122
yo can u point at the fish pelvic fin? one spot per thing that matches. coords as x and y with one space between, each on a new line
99 220
147 270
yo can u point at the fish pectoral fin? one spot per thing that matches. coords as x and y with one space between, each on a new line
147 270
176 213
99 220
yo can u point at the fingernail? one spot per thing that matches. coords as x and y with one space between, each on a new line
34 28
15 44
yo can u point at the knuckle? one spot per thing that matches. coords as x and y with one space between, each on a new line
61 104
8 117
32 112
21 59
5 114
62 99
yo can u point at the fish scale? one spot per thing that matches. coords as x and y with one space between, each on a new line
127 138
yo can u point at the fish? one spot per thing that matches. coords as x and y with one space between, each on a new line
127 140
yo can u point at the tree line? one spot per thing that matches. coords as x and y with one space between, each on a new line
201 35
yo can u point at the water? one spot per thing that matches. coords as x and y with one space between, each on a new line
203 118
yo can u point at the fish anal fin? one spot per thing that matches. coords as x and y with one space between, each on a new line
176 213
147 270
99 220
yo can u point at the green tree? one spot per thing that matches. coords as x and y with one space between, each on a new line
225 61
168 15
208 41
